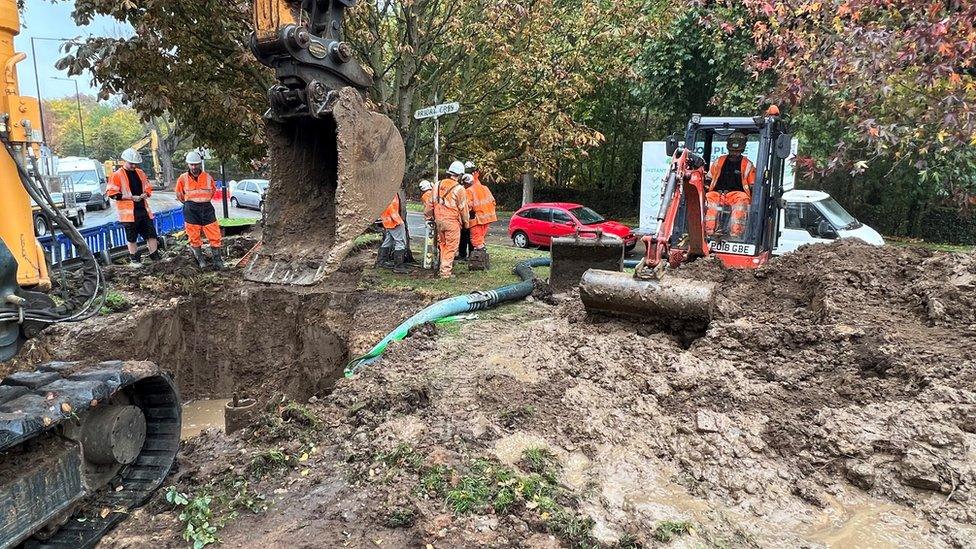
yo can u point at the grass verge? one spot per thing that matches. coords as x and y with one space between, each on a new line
503 260
937 246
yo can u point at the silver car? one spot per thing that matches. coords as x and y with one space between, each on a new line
249 193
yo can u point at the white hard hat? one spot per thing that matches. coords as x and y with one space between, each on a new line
193 157
469 165
132 156
426 185
456 168
467 179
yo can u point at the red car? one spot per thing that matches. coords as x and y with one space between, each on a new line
536 224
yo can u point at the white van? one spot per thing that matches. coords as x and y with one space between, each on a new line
809 217
87 177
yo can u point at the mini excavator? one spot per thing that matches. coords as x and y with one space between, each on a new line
652 293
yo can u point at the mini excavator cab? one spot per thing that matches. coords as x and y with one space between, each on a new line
768 147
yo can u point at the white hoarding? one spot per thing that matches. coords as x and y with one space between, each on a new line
655 163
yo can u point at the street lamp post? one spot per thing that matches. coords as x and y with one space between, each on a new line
37 79
81 123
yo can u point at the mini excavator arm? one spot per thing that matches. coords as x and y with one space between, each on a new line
686 178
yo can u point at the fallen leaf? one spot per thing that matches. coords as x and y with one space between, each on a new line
305 472
65 407
303 457
105 512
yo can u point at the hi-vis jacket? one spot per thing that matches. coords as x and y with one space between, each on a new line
746 169
125 206
391 215
450 203
195 189
482 203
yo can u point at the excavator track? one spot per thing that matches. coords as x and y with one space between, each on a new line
80 447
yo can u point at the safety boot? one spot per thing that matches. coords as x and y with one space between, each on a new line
198 255
218 259
399 266
383 258
135 260
156 256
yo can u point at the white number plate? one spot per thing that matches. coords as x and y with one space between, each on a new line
732 248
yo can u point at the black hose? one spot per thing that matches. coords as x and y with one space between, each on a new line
91 296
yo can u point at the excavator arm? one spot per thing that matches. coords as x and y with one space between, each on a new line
302 41
334 164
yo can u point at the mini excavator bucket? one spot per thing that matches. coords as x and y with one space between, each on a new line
574 255
335 165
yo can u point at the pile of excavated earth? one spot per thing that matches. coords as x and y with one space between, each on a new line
831 402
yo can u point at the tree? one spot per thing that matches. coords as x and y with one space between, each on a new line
108 128
188 60
900 74
516 68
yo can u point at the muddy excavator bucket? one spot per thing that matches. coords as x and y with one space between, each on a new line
667 299
573 255
331 177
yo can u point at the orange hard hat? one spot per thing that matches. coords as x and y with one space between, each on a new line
773 110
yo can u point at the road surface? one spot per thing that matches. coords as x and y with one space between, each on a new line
162 201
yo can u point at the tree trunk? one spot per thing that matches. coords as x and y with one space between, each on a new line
528 185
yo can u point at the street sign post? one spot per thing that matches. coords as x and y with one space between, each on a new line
435 112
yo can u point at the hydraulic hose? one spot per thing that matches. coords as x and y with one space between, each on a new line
90 298
461 304
456 305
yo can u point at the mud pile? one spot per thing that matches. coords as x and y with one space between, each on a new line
831 402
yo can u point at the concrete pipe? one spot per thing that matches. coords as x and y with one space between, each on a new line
671 298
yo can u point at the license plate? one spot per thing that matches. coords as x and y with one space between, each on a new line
732 248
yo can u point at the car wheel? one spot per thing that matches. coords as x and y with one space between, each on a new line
42 227
520 239
235 203
630 247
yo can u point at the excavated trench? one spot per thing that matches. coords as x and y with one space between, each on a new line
253 341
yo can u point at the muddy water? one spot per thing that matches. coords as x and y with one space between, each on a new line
202 414
868 524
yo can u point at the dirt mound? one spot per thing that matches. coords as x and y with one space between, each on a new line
832 401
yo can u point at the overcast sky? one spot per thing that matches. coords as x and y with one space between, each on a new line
42 19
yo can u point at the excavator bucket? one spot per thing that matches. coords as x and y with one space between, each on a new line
667 299
331 177
574 255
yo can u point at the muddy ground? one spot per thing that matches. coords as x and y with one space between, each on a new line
832 402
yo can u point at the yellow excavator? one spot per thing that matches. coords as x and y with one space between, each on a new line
80 439
74 438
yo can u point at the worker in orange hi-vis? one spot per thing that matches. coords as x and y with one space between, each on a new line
732 177
426 187
482 205
394 247
449 210
195 188
130 189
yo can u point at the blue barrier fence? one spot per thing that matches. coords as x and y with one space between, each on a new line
106 240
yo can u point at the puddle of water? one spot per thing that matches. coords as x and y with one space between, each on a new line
202 414
868 524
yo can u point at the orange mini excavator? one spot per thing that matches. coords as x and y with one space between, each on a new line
681 233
